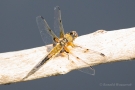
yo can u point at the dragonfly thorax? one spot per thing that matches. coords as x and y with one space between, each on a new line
63 41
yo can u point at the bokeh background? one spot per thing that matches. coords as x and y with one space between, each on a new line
18 31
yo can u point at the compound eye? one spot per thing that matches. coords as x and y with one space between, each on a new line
71 33
74 34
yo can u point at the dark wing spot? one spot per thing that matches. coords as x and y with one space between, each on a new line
102 54
49 30
60 21
86 50
41 17
58 7
55 40
77 58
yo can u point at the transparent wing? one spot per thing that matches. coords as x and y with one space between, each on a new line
85 56
58 21
88 70
44 28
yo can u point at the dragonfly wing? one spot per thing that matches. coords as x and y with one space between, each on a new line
58 21
44 28
85 56
88 70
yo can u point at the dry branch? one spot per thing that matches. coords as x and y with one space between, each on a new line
117 45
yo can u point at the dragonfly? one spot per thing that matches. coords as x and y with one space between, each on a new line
61 43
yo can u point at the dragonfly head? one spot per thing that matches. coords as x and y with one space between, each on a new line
73 34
